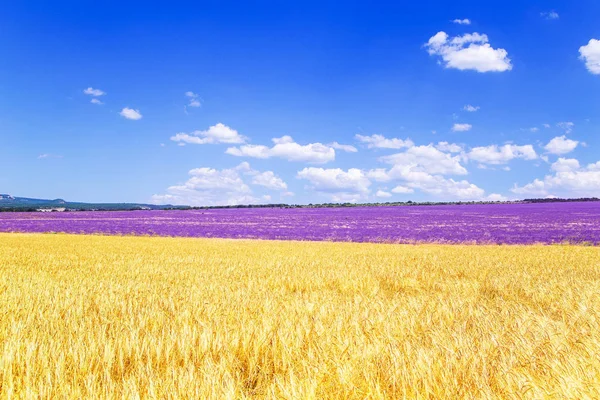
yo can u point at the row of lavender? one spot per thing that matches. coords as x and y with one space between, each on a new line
493 223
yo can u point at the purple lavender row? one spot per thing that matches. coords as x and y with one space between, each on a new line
489 223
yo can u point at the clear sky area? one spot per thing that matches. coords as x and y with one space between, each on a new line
210 103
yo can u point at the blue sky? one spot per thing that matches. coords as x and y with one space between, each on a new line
227 102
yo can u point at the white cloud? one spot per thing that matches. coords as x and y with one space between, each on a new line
343 197
285 148
468 52
379 175
402 190
94 92
441 187
96 101
550 15
566 126
495 197
425 159
546 125
344 147
419 168
565 165
464 21
471 108
431 184
534 129
381 142
383 194
194 99
336 180
535 188
218 133
461 127
449 147
594 167
495 154
269 180
569 180
590 54
561 145
210 187
130 113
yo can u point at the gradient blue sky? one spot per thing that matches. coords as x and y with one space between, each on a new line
318 72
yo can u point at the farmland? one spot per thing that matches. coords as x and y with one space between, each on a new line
476 224
87 316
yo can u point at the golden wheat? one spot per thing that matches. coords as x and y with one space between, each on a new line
140 317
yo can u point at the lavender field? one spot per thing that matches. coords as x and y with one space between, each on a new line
491 223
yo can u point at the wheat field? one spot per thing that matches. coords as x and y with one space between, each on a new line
148 317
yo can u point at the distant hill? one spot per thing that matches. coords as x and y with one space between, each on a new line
12 203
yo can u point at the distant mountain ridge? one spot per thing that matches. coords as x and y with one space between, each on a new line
13 203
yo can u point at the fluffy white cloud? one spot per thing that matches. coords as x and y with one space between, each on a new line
96 101
565 165
380 141
561 145
441 187
383 194
431 184
449 147
94 92
218 133
285 147
402 190
193 98
210 186
569 180
344 147
426 159
468 52
336 180
344 197
419 168
590 54
379 175
594 167
471 108
496 197
269 180
464 21
550 15
461 127
130 113
495 154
